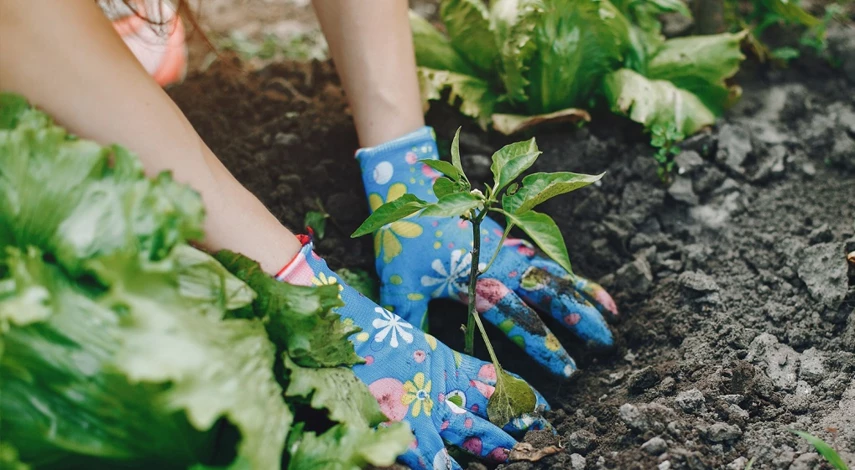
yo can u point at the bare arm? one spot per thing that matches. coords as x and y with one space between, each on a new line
65 57
372 47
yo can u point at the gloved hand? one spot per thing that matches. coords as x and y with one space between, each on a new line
424 258
441 393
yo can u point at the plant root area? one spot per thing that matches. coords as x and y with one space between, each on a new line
735 294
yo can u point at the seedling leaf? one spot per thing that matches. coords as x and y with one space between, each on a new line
445 168
511 160
545 234
442 187
455 153
823 448
452 205
540 187
512 398
317 221
390 212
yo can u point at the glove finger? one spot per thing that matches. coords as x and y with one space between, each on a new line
475 387
477 436
558 297
503 308
590 290
428 452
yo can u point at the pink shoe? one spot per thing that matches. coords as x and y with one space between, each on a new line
160 48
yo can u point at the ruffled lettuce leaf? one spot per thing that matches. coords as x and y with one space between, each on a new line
513 22
300 320
468 26
655 102
472 95
345 448
701 65
576 44
434 50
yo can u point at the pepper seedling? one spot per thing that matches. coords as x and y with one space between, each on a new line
515 201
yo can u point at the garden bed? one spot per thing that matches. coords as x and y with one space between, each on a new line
736 301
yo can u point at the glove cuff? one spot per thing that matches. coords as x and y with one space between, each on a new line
392 169
297 271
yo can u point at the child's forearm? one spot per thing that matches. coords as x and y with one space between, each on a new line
66 58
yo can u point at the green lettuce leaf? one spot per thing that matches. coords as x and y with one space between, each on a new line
101 206
63 400
434 50
513 22
338 391
476 98
347 448
655 102
299 320
576 44
468 26
700 65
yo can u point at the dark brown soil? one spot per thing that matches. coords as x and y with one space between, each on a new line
738 308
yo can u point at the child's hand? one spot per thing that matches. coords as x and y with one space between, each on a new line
420 258
441 393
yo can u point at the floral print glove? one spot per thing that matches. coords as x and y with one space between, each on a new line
441 393
424 258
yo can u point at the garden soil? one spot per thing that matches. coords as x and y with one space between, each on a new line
735 294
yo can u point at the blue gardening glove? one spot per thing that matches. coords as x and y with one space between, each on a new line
424 258
441 393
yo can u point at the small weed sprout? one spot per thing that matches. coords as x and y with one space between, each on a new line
664 139
825 450
513 200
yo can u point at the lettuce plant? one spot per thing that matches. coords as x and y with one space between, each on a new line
121 345
516 63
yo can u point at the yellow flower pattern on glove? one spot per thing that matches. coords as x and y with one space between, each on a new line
418 393
386 239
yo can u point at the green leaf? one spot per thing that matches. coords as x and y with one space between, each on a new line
455 154
338 391
317 221
785 53
364 282
512 398
390 212
298 319
207 286
444 167
700 65
576 43
655 102
824 449
442 187
85 203
540 187
468 25
791 12
476 98
513 22
12 106
433 50
453 205
9 458
512 160
344 447
545 234
133 352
